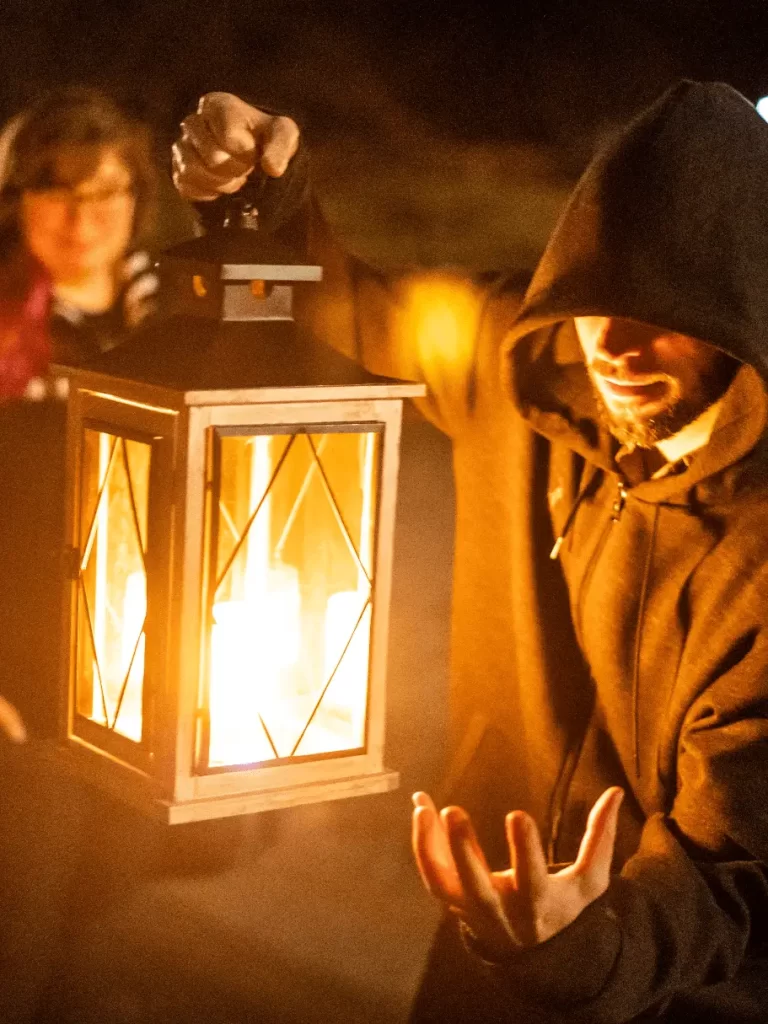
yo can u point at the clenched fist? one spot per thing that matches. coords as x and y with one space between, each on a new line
224 141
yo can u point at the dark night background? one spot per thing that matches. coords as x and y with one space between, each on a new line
444 132
441 134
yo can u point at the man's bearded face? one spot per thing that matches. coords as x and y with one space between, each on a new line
650 383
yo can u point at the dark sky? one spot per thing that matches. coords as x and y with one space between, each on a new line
535 69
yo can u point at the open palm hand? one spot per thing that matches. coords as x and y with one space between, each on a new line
525 904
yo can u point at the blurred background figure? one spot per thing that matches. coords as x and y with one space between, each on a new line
77 204
78 187
78 190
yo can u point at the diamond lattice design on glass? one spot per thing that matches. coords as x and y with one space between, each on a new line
290 613
112 582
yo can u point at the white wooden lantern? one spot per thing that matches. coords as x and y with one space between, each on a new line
231 492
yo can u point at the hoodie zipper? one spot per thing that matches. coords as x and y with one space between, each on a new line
570 763
559 797
567 771
617 508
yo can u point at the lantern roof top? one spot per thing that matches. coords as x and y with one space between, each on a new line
205 353
207 363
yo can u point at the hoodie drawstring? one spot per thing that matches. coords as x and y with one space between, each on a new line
553 554
638 642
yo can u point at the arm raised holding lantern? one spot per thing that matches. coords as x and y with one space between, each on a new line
638 659
418 327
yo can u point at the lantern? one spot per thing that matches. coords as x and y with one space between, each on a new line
231 491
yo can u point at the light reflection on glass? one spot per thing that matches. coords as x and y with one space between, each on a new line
112 599
290 607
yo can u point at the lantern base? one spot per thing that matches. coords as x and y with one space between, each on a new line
273 799
134 788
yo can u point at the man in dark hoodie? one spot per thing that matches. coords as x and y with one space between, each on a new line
610 624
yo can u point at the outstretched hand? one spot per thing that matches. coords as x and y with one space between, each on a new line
526 904
224 141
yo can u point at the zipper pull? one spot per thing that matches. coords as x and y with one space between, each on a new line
621 500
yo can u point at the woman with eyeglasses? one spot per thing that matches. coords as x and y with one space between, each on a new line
77 202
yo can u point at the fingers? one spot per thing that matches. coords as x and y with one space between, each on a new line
423 843
433 856
223 141
526 855
201 169
197 186
596 850
471 866
225 127
483 909
458 823
281 140
11 722
421 799
527 905
195 183
247 133
233 123
196 134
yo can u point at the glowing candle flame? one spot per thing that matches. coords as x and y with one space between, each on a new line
287 678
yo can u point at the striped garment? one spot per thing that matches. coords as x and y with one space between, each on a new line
44 328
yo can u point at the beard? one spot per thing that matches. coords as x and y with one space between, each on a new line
632 428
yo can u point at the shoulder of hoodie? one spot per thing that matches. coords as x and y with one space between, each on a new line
739 521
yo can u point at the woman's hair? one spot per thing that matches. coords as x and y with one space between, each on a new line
73 116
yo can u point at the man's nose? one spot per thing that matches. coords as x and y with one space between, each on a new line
620 341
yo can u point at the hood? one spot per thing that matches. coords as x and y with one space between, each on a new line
668 226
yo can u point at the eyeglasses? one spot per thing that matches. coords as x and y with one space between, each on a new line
98 201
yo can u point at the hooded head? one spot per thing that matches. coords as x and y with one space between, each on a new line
667 228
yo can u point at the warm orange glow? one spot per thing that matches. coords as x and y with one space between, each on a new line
134 611
288 669
290 618
112 591
438 325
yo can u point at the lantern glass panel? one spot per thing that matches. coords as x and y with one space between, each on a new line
112 581
292 522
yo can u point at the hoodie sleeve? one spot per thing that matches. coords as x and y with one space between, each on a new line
693 900
408 325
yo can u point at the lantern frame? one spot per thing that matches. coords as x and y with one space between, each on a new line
158 774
